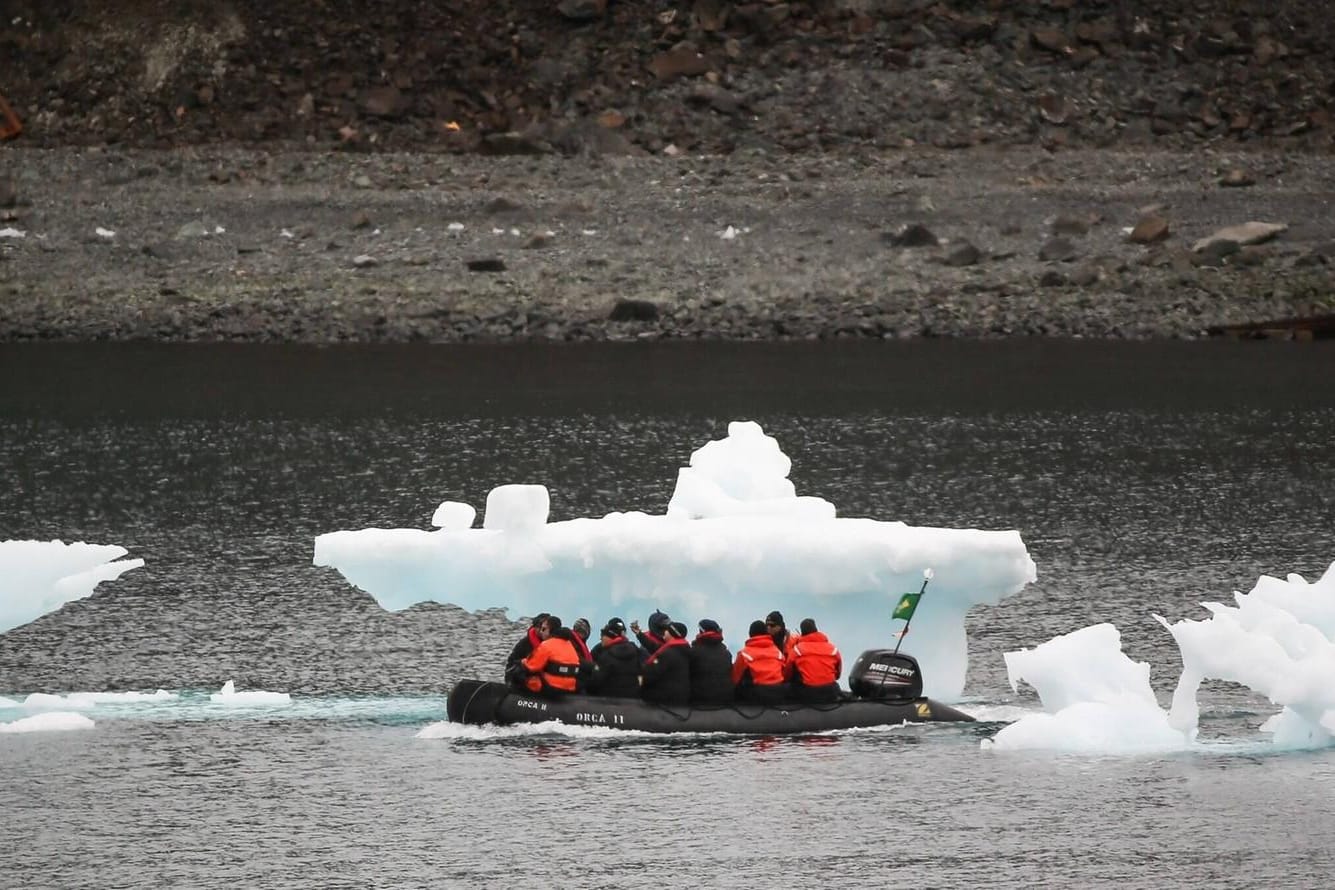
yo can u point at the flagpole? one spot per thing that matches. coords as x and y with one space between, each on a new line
926 576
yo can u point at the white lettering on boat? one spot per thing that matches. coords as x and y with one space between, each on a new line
590 717
535 705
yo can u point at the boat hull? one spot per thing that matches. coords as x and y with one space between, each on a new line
479 702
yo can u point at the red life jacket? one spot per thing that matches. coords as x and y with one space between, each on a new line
553 665
816 661
762 660
672 641
581 647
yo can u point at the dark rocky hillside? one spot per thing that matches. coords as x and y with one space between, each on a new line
689 76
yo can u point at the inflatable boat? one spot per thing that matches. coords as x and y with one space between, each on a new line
886 691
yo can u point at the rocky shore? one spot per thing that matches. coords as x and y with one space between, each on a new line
224 244
584 169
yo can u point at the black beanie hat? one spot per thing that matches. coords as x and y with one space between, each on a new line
709 625
775 617
615 627
678 629
757 628
658 622
808 626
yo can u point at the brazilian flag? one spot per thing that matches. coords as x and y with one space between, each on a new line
906 606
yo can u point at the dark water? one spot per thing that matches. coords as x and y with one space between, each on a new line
1143 477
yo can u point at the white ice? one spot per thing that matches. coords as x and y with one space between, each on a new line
229 695
1096 699
210 705
37 577
86 701
735 542
1278 640
58 721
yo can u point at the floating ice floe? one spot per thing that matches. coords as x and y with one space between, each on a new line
1278 640
12 233
735 542
104 233
87 701
37 577
57 721
1095 698
229 695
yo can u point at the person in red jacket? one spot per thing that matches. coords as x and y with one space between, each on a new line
554 667
760 672
524 648
817 665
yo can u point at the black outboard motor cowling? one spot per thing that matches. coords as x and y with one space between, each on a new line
886 675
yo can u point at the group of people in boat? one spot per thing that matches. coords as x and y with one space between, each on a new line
774 666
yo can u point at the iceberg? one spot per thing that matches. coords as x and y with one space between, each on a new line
37 577
1278 640
735 542
1096 700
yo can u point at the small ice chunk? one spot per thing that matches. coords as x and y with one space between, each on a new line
104 233
219 230
455 227
454 516
55 721
12 233
728 234
287 233
252 697
517 508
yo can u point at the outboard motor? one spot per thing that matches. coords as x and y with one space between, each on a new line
886 675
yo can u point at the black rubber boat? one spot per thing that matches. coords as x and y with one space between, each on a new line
886 687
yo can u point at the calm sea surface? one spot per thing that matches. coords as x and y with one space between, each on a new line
1143 477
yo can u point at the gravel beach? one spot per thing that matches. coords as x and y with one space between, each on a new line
246 245
511 170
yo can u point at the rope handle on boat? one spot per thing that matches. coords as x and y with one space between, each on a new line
464 714
822 707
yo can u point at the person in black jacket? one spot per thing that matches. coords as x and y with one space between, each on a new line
655 636
618 628
616 664
711 666
665 678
